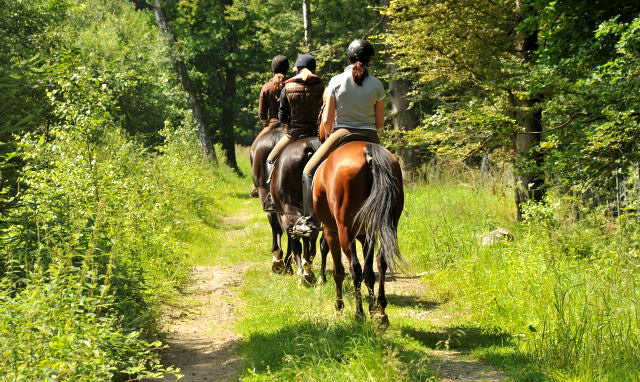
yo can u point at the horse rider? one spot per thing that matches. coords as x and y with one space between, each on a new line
354 105
300 103
269 101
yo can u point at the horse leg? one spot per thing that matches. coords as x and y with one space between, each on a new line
355 269
324 250
333 242
277 265
288 268
296 246
380 315
368 273
309 252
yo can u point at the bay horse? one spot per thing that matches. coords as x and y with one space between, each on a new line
358 194
262 147
286 190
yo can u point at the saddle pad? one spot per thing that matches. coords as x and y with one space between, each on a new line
354 137
313 181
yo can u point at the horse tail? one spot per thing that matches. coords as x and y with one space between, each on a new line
377 214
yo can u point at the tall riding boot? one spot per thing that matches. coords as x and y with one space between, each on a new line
308 222
254 193
268 205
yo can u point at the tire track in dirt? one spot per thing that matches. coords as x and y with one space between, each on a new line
449 365
200 335
200 329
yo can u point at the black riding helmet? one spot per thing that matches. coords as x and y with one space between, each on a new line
360 50
306 61
280 64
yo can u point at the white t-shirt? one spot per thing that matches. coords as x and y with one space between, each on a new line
354 103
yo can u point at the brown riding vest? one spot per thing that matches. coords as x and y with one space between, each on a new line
305 100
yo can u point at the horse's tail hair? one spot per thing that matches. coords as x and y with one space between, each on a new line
377 214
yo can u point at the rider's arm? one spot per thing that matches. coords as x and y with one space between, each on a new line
263 106
379 112
284 114
329 116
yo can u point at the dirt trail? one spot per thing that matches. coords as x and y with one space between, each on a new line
202 341
449 365
204 345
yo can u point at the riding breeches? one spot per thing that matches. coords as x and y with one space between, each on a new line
332 143
290 136
277 149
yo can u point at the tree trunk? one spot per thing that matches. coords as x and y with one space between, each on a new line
228 117
404 118
229 111
306 17
205 136
529 158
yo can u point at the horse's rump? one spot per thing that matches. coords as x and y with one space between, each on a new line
358 195
360 187
286 179
263 147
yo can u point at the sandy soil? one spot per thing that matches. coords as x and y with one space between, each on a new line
200 335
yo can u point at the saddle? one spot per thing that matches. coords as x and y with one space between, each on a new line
300 132
355 137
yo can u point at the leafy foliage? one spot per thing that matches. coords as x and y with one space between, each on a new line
582 74
90 243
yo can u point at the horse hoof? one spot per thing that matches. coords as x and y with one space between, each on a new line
339 305
307 279
381 320
278 267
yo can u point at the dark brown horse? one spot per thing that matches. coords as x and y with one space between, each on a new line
286 190
262 148
358 194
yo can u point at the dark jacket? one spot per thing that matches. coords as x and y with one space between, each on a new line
268 103
300 103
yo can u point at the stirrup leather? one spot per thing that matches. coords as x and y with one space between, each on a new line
304 226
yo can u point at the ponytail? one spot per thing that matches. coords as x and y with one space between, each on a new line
359 72
305 73
278 83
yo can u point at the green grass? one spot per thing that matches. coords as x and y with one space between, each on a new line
565 293
557 303
233 228
292 332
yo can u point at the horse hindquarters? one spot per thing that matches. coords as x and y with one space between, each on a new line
379 217
361 176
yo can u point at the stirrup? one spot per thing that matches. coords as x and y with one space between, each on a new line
303 226
268 205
